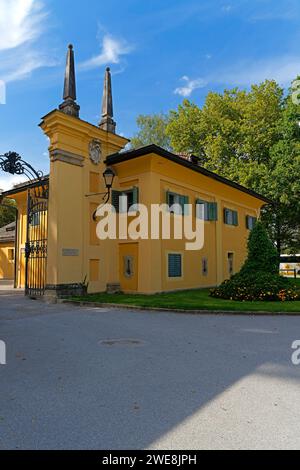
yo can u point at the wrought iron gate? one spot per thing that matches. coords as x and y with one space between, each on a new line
36 244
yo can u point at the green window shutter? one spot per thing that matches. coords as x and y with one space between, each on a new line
212 211
235 218
181 203
226 216
248 222
115 195
135 195
206 211
174 265
168 198
185 208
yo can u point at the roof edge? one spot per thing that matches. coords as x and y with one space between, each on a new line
135 153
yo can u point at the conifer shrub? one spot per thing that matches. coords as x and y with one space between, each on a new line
259 277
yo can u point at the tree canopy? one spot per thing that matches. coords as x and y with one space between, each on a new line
7 214
251 137
152 130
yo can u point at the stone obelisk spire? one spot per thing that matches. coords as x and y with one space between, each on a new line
69 105
107 123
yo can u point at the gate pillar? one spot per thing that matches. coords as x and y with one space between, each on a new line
76 258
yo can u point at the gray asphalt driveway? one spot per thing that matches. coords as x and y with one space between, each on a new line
115 379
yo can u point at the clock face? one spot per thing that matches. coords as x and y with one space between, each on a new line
95 151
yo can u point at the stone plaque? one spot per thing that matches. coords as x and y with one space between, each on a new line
70 252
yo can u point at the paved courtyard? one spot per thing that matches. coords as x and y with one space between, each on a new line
82 378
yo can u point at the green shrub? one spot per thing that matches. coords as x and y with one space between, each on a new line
257 286
259 277
262 255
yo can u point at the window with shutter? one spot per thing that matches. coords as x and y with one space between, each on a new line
206 210
250 222
177 203
230 259
174 265
128 199
231 217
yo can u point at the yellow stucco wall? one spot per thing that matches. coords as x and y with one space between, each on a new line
154 175
7 260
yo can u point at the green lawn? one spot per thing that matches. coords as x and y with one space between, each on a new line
191 300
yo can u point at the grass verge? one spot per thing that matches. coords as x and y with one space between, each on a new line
191 300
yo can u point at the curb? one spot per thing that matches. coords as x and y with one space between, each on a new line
81 303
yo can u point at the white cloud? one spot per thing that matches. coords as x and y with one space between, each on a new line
8 182
282 69
111 53
22 22
31 61
190 86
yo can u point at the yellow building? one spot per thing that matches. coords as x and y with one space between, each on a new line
59 251
7 252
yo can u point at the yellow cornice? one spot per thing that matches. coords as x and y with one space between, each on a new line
57 120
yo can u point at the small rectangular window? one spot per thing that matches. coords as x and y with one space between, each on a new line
128 266
11 254
230 264
231 217
250 222
174 265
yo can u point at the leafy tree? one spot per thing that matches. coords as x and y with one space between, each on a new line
184 129
252 138
152 130
7 214
279 180
233 126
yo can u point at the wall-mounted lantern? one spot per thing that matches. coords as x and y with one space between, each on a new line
108 176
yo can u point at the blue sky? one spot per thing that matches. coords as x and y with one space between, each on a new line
160 51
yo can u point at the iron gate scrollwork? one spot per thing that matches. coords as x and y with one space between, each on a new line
36 244
37 221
